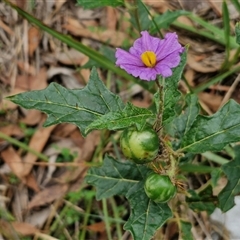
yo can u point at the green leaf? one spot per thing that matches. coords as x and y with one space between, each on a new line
165 19
185 230
79 106
171 94
114 177
146 216
232 170
118 120
127 178
202 201
181 125
191 168
213 133
226 25
215 176
87 4
237 31
139 16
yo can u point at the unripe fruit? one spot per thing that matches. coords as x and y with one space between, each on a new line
159 188
141 146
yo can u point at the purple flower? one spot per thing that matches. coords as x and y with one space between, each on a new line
151 56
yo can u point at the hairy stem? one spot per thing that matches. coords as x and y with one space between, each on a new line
158 125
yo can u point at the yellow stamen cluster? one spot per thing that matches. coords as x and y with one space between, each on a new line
149 59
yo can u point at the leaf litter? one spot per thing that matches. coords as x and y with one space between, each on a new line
30 60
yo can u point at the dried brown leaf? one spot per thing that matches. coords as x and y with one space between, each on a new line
24 229
114 38
201 66
48 195
12 130
37 143
27 68
111 18
64 129
34 37
31 182
213 101
36 82
14 161
97 227
70 57
6 28
38 218
32 118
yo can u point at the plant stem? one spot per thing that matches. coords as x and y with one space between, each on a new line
215 158
153 20
107 224
234 58
85 219
135 12
116 216
160 83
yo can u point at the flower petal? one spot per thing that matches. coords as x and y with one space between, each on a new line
169 45
123 57
167 53
171 60
145 43
163 70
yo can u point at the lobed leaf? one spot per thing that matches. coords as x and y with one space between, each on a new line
202 201
213 133
181 125
114 177
146 216
127 178
232 170
117 120
79 106
165 19
171 94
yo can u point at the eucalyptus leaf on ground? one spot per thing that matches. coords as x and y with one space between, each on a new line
130 115
232 171
79 106
213 133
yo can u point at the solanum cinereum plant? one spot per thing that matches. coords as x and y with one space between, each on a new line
159 142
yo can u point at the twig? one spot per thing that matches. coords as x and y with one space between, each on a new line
230 91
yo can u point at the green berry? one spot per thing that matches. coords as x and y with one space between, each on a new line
159 188
141 146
